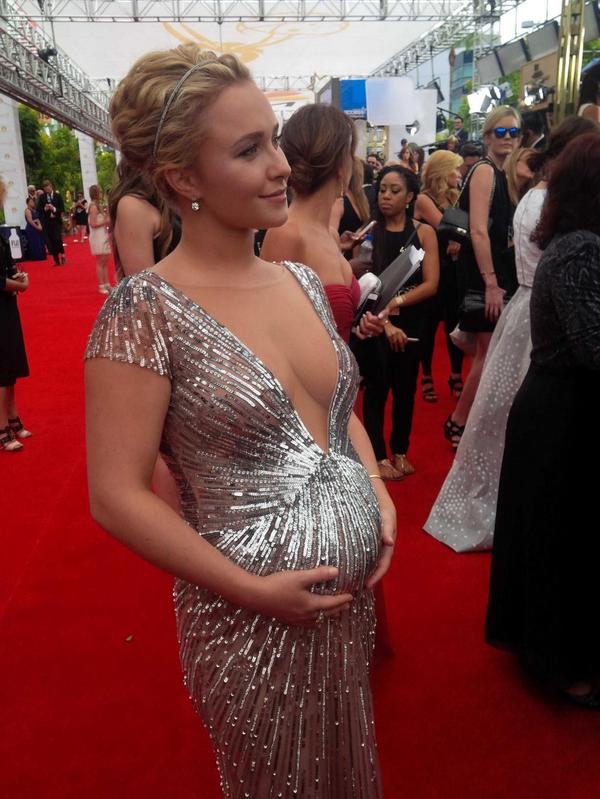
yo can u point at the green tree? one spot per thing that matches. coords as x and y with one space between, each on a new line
60 160
31 135
106 165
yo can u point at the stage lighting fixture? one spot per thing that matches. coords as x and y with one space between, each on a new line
47 53
543 41
488 68
413 128
433 84
512 56
534 95
484 99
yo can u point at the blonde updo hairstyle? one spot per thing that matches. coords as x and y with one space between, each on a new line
434 177
318 142
138 103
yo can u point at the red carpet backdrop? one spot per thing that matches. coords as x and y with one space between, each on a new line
91 699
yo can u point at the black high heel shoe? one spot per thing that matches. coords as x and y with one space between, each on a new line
456 386
453 432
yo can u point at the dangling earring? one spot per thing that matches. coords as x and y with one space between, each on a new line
195 205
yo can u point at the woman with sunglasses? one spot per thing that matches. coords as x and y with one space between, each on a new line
486 267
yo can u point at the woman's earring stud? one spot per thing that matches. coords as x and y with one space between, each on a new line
195 205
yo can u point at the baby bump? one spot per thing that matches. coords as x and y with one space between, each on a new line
330 518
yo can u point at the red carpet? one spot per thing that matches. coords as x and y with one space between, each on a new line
91 700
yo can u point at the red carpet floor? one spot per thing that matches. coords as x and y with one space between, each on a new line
91 700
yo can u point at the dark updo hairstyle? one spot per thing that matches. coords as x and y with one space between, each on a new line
588 89
318 141
573 199
413 186
560 136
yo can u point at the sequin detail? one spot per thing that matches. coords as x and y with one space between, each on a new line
288 709
464 513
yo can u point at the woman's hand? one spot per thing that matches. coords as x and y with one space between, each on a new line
388 536
494 302
349 240
286 596
370 325
22 278
453 250
396 337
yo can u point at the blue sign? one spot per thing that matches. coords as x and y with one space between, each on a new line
353 98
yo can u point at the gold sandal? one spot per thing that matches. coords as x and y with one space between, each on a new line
403 465
387 471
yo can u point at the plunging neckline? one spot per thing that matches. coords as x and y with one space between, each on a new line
253 356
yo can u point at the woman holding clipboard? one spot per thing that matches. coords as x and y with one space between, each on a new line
391 361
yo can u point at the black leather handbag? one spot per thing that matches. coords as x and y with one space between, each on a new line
471 314
454 225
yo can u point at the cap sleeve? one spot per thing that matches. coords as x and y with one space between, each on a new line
132 327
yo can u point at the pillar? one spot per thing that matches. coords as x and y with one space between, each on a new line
12 163
87 159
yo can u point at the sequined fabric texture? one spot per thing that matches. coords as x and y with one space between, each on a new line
464 513
288 709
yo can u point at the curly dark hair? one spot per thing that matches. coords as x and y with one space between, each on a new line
573 199
413 186
317 141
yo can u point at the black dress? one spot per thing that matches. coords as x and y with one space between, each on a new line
13 359
383 369
443 306
500 234
545 589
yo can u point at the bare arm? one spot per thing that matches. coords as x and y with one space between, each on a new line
136 225
427 211
362 444
125 410
93 217
592 112
480 194
431 272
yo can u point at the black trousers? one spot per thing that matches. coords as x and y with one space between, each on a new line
383 371
53 234
443 307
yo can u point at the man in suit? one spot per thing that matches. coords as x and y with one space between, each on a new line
50 208
532 130
459 132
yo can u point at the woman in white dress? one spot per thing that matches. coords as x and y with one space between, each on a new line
464 513
99 239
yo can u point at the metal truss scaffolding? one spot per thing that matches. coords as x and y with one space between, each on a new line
471 19
49 82
250 10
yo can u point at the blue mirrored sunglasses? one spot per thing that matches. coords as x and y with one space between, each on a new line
500 133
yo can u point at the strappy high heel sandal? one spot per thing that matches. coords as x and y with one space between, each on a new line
456 386
453 432
8 440
427 390
403 465
387 471
16 425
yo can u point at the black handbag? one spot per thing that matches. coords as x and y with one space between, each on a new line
454 224
471 314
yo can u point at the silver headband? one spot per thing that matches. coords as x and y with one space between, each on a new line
169 103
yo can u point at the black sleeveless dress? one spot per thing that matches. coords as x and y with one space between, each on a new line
500 233
13 359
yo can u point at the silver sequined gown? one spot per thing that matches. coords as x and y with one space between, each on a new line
288 709
464 513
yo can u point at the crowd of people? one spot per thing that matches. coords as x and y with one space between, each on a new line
243 459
